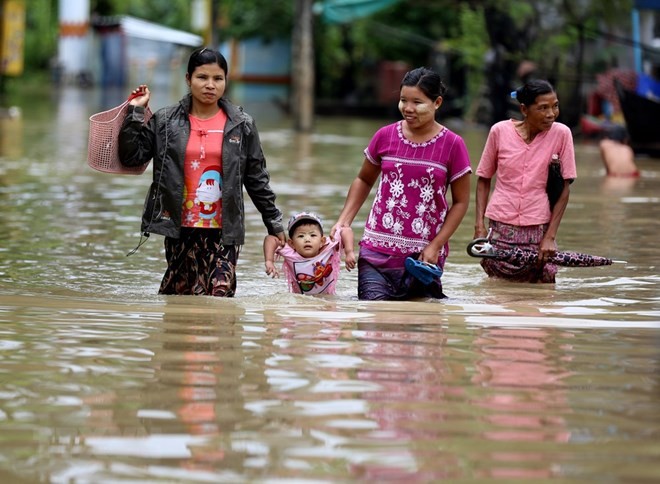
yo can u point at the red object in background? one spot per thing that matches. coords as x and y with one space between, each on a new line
605 85
390 76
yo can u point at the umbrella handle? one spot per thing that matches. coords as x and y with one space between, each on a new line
481 248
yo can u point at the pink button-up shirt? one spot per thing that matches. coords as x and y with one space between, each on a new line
519 197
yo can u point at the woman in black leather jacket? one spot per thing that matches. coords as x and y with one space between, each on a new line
205 151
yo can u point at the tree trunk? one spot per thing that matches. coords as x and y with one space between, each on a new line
302 82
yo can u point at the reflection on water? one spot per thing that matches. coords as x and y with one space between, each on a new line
103 380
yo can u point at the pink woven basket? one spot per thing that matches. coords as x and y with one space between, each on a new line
102 149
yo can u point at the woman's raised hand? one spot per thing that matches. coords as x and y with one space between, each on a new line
140 96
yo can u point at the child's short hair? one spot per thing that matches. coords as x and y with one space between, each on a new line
304 217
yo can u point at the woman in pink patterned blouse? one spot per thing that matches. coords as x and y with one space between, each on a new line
418 161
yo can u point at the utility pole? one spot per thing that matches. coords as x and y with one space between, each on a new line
202 19
74 41
302 82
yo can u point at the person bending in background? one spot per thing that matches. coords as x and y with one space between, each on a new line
519 212
418 161
205 150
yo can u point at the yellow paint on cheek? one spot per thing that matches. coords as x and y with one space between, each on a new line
400 105
423 109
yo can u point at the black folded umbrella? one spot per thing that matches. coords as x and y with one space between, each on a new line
483 248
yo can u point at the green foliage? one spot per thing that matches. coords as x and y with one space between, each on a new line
331 58
472 40
109 7
172 13
472 43
607 11
41 34
544 31
593 20
409 32
242 19
521 13
405 32
42 23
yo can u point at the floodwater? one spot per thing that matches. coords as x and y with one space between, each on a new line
102 380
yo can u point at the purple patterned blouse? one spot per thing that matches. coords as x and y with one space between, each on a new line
410 205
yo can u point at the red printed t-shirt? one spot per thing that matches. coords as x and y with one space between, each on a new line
202 172
519 197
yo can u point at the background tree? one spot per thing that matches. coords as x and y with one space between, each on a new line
480 43
477 44
172 13
583 20
41 35
509 43
242 19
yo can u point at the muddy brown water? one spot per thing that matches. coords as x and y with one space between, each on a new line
103 380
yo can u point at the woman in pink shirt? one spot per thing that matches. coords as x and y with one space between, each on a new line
418 161
519 213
